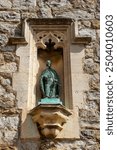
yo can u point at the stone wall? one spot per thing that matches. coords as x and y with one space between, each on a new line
12 13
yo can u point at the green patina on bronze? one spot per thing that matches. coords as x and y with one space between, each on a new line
50 85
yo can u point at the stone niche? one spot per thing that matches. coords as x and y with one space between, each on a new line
66 58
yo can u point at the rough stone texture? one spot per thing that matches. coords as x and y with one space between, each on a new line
88 32
7 29
9 129
5 4
90 116
95 24
10 16
9 124
94 82
29 145
91 134
7 148
3 39
1 59
10 48
12 12
8 68
89 5
93 95
6 99
89 53
62 145
90 66
78 14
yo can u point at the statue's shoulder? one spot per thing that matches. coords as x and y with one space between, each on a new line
44 72
54 72
49 71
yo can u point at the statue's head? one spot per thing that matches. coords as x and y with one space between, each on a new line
48 63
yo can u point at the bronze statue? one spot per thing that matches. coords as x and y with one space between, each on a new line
49 82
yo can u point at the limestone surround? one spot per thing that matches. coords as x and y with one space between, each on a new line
25 80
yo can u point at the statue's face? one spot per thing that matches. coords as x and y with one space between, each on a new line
48 63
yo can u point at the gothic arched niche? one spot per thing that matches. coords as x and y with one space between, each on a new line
50 47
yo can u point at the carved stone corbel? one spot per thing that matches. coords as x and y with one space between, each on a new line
50 118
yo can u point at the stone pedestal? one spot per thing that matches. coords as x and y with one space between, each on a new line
51 118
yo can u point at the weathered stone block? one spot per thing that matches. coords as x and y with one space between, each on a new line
92 105
89 5
90 134
7 48
29 145
10 136
93 146
5 4
89 125
9 57
89 53
2 90
28 15
46 12
88 32
86 23
3 39
8 29
9 128
82 14
57 7
24 4
30 4
5 103
97 14
90 116
8 67
16 4
95 24
11 16
93 95
3 28
7 147
62 145
6 99
58 3
1 59
67 11
94 82
9 122
90 67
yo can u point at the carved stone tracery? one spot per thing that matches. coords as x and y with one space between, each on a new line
43 37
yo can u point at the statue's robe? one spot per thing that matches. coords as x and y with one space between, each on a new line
49 82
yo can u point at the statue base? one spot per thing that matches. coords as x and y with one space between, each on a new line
49 101
51 118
